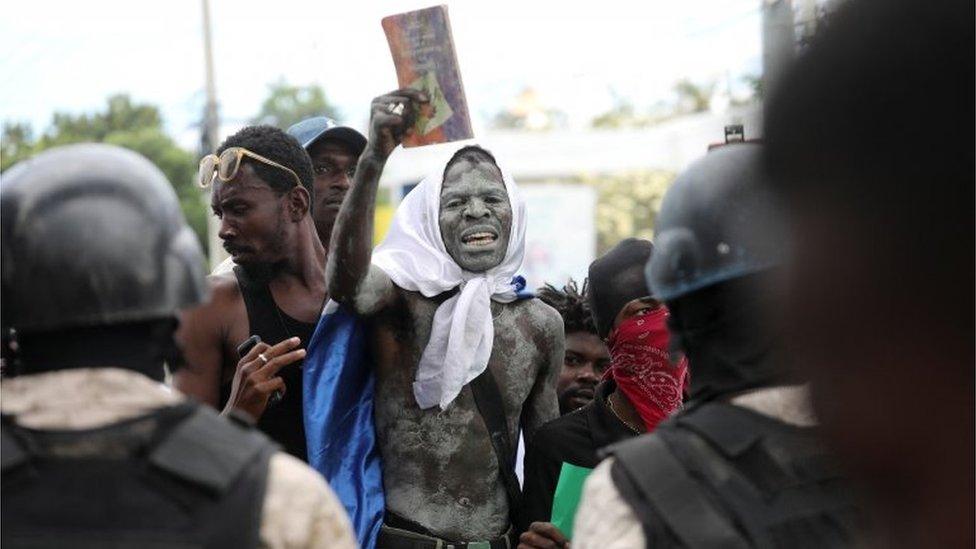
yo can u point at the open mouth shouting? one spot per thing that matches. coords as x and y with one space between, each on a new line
479 237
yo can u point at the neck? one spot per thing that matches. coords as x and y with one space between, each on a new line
625 410
305 260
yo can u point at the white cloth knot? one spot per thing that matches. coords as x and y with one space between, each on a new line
413 255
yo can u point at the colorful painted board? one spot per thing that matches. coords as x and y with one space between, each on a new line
424 57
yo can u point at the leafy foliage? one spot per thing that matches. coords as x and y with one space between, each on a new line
627 205
138 127
694 97
287 104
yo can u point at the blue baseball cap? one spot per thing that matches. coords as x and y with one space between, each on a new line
310 130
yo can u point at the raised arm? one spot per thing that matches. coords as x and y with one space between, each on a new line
351 278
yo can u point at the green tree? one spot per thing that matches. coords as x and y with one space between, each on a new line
755 82
17 143
694 97
627 205
621 115
138 127
287 104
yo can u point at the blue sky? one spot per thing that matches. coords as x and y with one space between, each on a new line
68 56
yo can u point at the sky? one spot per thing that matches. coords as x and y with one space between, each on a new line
577 56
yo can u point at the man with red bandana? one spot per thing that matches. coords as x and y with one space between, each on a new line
642 387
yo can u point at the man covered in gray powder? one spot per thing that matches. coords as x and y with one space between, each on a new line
462 364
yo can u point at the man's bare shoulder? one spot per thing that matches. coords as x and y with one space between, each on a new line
224 285
543 318
225 293
218 312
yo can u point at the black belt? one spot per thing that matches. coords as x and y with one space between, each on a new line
397 538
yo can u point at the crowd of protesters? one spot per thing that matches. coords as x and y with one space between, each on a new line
788 364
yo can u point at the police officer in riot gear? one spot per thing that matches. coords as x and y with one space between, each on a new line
740 465
97 260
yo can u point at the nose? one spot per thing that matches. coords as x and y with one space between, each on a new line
586 373
226 230
341 181
476 208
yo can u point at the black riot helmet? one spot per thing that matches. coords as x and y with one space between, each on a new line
93 235
717 239
717 223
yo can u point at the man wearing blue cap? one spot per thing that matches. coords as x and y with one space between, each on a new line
334 150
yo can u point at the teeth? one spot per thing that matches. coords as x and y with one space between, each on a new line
479 238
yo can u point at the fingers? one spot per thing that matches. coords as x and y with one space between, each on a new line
401 95
275 358
548 531
272 385
392 117
281 355
279 362
417 95
399 107
252 355
531 540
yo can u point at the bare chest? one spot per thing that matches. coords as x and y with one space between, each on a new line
401 336
439 465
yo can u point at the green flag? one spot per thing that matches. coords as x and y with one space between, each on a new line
567 496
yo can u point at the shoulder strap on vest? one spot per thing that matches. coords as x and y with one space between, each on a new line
207 450
657 474
722 424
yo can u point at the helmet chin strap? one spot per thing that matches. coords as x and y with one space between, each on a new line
142 347
729 346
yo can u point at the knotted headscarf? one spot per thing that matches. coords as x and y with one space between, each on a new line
413 255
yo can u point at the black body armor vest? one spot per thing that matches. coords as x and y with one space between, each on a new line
178 477
718 475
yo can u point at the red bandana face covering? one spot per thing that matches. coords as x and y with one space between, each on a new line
641 366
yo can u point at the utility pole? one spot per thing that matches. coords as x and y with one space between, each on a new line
778 41
208 138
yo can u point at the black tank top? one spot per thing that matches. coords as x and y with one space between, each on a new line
282 421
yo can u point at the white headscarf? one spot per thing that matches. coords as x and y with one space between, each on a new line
413 255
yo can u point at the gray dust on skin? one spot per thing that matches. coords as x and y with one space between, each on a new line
439 467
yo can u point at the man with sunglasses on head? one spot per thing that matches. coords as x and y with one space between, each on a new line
334 150
263 194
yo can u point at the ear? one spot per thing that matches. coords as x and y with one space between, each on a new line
298 201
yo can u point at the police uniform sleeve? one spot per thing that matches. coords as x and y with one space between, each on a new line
604 519
300 510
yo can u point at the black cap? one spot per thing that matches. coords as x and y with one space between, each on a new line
616 279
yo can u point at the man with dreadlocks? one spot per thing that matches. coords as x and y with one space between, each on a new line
640 388
586 355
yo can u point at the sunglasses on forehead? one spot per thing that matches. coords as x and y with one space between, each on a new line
228 163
